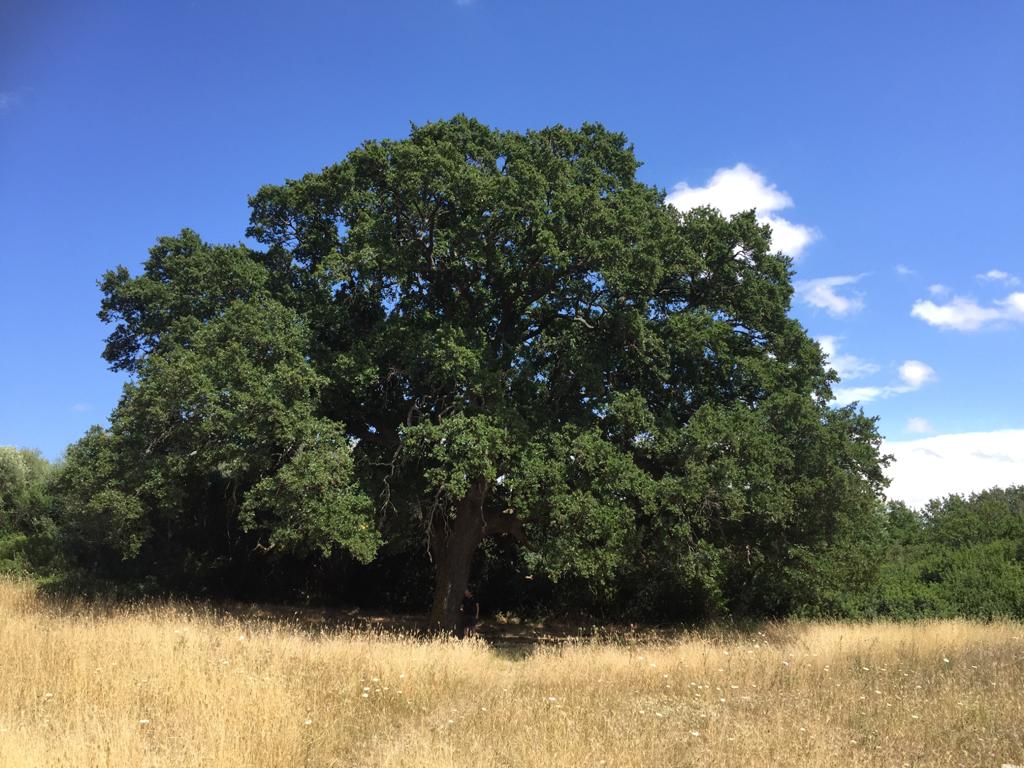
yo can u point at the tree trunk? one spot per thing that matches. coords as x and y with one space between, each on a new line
453 545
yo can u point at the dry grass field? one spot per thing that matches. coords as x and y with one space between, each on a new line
175 686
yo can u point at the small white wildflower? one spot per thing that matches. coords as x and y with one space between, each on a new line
143 722
695 733
945 660
307 721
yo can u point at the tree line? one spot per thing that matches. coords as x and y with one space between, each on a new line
483 356
959 556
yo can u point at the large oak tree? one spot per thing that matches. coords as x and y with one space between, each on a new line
471 332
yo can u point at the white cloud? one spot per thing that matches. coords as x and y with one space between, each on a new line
1013 305
902 270
933 467
821 293
847 366
916 374
80 407
847 395
998 276
740 188
913 375
938 289
918 426
962 314
9 100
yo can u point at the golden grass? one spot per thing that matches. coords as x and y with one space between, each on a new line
172 686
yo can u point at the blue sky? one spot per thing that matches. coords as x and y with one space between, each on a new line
882 140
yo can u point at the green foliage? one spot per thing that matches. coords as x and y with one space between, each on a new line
450 455
467 332
580 495
961 557
99 523
24 488
312 502
26 525
216 444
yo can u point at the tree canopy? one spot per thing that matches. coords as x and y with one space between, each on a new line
466 333
960 557
26 525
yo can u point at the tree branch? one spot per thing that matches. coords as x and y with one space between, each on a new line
504 522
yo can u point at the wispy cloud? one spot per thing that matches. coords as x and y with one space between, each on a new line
9 100
81 407
999 276
902 270
933 467
822 293
913 375
937 289
918 426
963 314
847 366
740 188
